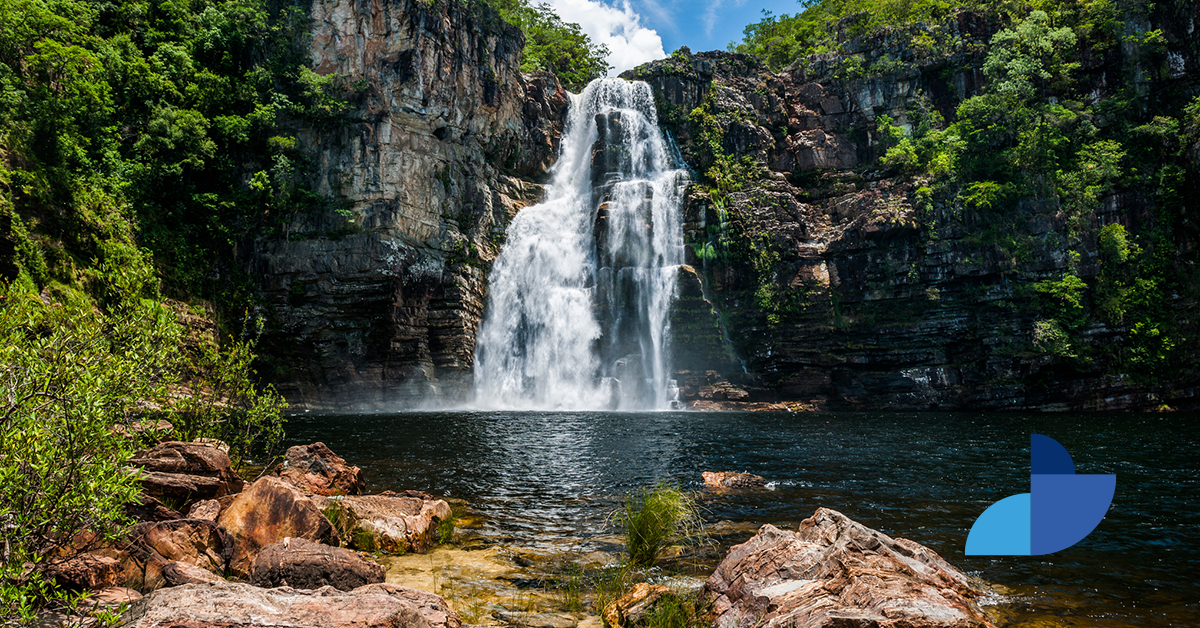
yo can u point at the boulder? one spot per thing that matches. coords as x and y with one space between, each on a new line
267 512
316 469
236 605
389 522
733 479
302 564
206 509
834 571
85 571
186 472
193 541
633 607
176 573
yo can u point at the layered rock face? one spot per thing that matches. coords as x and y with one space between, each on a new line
843 284
376 299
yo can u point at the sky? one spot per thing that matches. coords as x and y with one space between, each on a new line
637 31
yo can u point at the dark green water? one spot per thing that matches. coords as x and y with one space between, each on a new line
539 477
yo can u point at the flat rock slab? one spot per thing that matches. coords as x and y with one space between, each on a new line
186 471
302 564
833 571
234 605
390 522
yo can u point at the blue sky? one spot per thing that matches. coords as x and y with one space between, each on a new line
637 31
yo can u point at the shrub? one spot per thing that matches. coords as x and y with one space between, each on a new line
655 518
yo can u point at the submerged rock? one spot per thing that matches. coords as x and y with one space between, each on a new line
270 511
389 522
234 605
833 571
733 479
303 564
316 469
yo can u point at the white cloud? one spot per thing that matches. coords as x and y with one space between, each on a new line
629 43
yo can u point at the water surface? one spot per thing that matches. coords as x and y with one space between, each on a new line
539 477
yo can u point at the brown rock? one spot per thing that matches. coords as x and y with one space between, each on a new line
270 511
633 607
186 471
85 571
206 509
835 572
234 605
316 469
194 541
391 523
176 573
302 564
733 479
147 508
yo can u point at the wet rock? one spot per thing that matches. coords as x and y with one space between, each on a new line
302 564
270 511
316 469
186 471
733 479
535 620
85 571
633 607
833 571
207 509
176 573
390 523
235 605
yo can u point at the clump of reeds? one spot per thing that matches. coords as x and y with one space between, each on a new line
657 518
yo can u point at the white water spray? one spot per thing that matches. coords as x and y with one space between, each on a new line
579 298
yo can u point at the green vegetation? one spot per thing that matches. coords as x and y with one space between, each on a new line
656 518
554 45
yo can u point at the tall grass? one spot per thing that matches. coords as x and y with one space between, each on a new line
657 518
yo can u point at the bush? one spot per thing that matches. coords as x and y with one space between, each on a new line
656 518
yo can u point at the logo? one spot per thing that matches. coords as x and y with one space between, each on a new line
1060 509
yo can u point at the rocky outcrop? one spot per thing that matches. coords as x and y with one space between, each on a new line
229 605
85 571
316 469
389 522
267 512
186 472
844 284
833 571
377 298
303 564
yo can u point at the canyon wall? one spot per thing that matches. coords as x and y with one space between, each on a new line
374 301
846 284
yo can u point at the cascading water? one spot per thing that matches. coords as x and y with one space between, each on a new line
579 298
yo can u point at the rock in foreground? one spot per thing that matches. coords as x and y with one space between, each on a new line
390 522
232 605
270 511
834 571
303 564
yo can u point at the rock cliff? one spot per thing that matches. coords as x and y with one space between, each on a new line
845 284
376 299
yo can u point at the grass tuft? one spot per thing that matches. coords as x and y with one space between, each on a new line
656 518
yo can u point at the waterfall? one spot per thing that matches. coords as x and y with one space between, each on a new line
577 314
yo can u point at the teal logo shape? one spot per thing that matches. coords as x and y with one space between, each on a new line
1060 509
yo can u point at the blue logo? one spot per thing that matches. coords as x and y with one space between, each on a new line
1060 509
